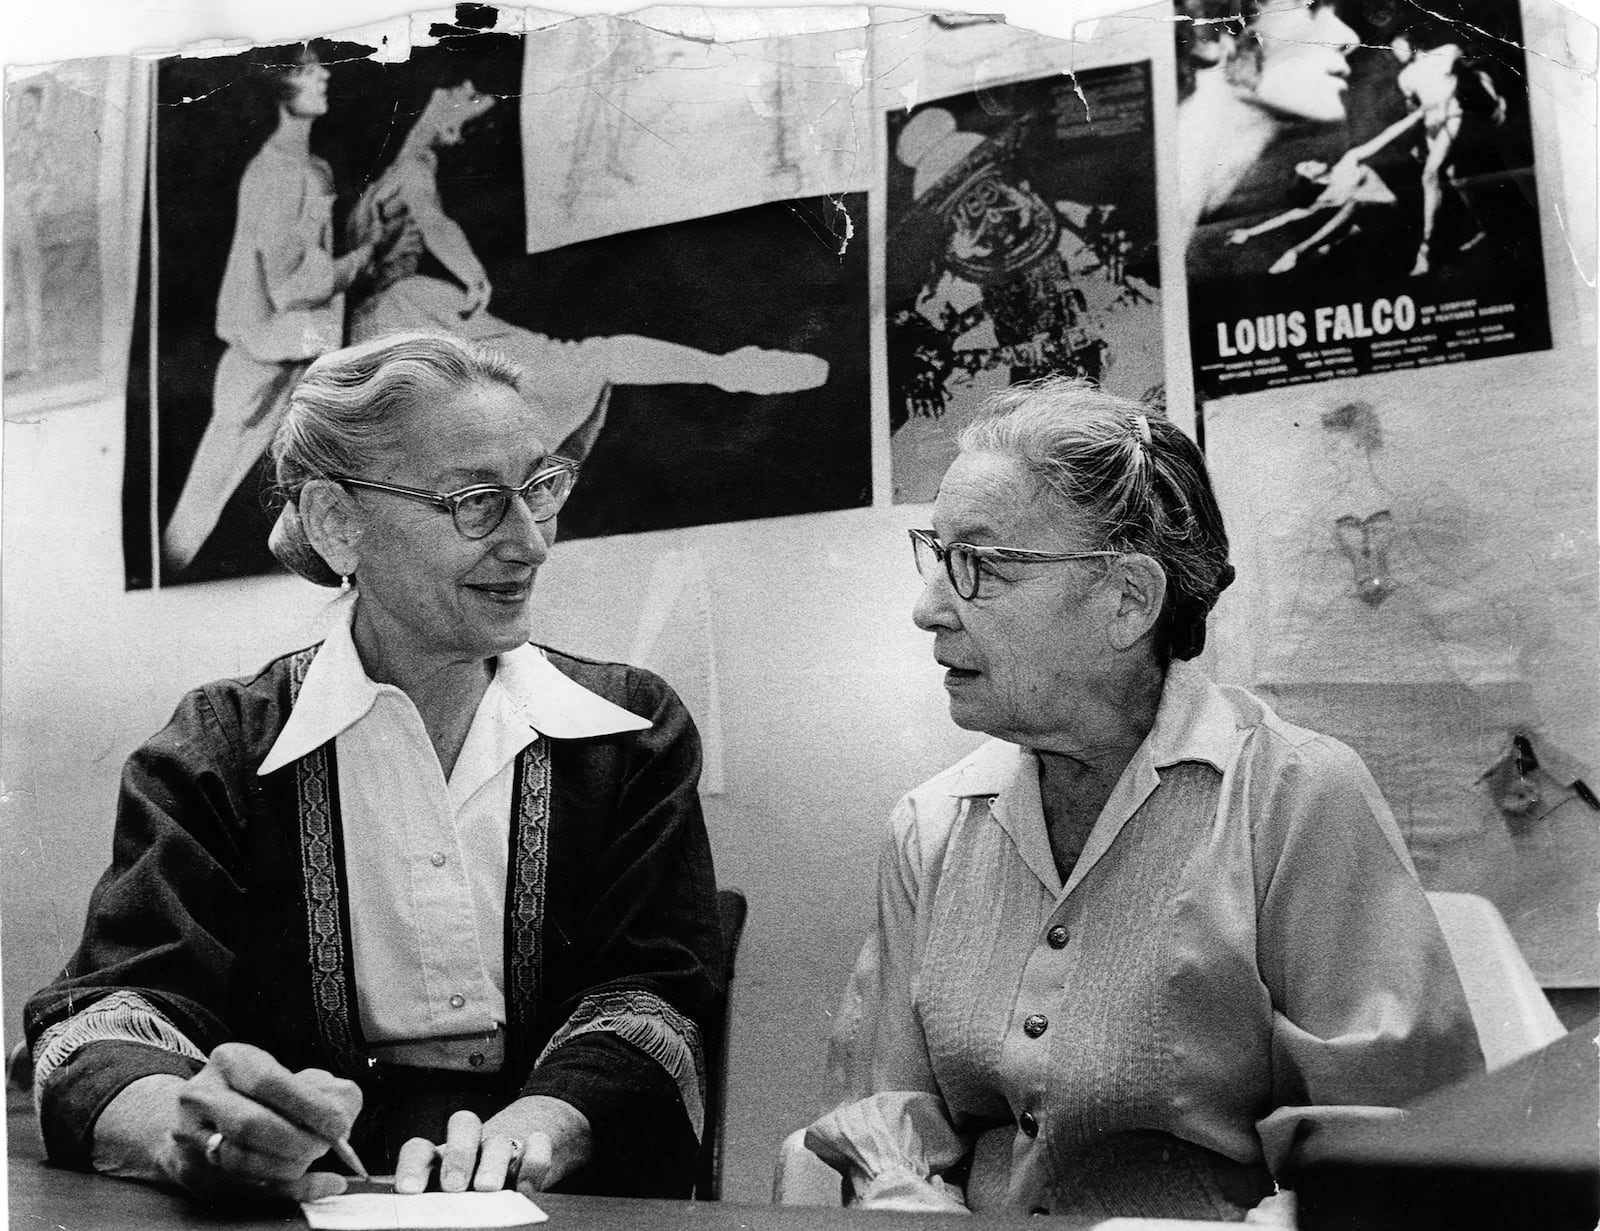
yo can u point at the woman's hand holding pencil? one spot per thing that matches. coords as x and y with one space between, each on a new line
247 1128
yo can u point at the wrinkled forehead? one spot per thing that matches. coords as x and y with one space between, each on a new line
486 427
992 497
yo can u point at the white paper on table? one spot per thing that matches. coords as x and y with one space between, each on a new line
395 1212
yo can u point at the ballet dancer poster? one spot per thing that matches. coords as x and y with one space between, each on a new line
1021 242
1360 184
309 196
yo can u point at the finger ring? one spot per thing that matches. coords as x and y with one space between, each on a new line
213 1150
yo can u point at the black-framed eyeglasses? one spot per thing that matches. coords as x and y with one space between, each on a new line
963 562
479 509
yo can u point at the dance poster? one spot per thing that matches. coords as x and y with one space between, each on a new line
255 261
1020 242
1389 219
310 196
769 306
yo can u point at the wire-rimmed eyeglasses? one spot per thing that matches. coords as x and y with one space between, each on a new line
479 509
963 562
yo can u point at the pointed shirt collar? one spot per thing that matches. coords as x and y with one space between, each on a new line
337 693
1194 722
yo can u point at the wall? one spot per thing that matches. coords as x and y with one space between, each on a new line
828 702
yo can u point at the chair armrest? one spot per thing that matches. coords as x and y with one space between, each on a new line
1510 1010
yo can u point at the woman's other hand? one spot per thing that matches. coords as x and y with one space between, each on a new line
531 1145
247 1127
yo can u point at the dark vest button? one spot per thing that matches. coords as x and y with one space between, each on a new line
1057 936
1035 1024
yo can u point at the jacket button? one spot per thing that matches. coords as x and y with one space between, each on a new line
476 1059
1028 1124
1035 1024
458 1000
437 859
1057 936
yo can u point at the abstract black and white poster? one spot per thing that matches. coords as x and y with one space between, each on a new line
1360 180
313 195
771 298
1021 242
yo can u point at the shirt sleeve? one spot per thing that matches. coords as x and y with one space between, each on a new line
1368 1012
892 1135
137 997
628 1051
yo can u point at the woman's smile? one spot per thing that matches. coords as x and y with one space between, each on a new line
510 593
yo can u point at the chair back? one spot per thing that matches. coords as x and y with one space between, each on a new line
731 911
19 1069
1509 1009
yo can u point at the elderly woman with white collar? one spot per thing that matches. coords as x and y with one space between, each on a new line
1129 949
424 891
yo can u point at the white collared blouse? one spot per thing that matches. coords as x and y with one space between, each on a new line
426 857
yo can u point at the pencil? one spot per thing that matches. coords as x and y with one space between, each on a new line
341 1147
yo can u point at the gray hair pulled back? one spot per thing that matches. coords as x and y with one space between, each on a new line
1138 481
347 410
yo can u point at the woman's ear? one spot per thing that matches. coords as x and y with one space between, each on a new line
333 524
1141 591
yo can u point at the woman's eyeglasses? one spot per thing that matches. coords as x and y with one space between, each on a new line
963 562
479 509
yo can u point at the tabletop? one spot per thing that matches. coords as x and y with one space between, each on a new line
45 1198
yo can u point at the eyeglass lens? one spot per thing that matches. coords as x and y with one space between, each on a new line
957 564
481 513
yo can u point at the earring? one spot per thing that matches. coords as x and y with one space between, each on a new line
344 583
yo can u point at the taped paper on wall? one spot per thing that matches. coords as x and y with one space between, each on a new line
674 639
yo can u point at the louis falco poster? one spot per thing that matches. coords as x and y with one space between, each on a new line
312 195
1020 242
1360 183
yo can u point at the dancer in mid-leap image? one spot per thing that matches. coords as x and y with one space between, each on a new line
436 281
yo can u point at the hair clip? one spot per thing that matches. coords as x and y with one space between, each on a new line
1141 425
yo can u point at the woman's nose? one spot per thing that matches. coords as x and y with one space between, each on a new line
935 607
524 534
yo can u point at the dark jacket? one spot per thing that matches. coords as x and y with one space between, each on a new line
225 908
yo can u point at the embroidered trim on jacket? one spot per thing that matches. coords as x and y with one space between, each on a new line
325 935
525 898
655 1028
123 1016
